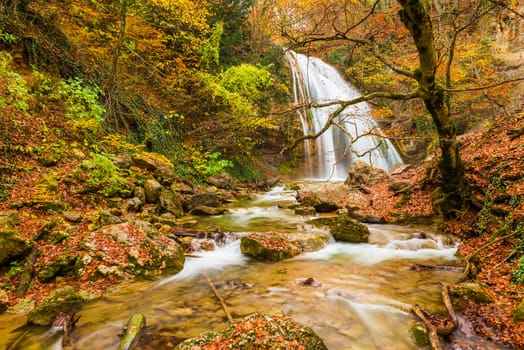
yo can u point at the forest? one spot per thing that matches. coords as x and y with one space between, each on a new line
126 124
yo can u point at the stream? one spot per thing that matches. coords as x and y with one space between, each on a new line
360 297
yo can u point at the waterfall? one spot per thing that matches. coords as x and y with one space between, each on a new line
329 156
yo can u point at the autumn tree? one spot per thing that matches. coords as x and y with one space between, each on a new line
425 74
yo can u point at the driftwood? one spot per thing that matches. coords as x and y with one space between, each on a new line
220 299
438 327
27 272
434 340
423 267
132 332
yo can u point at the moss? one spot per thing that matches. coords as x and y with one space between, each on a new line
61 300
346 229
419 334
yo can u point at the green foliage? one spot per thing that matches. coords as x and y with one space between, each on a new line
82 101
518 274
7 38
205 164
83 108
211 47
17 93
100 175
244 169
14 269
249 81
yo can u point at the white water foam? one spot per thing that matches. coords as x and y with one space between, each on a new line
371 254
216 260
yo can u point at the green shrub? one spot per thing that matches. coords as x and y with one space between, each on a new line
17 93
518 274
100 175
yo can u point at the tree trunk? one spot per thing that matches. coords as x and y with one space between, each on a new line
416 19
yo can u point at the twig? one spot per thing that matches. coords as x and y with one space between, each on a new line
449 307
220 299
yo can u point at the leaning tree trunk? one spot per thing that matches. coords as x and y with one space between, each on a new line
416 19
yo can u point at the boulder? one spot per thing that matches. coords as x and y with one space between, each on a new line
128 250
152 190
474 291
259 331
170 203
207 199
305 211
12 244
61 300
329 197
205 210
343 228
309 242
222 180
133 204
268 246
159 165
361 173
72 216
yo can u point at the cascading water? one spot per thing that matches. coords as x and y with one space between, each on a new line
354 138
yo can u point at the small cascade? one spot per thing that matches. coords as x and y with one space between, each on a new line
329 156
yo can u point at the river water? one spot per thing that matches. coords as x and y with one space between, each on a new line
360 298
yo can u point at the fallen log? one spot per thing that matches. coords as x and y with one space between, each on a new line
132 332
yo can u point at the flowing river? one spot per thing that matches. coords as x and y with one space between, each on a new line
360 297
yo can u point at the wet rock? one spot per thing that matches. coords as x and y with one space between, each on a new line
309 282
473 291
305 211
170 202
259 331
268 246
518 313
361 173
328 197
309 242
205 210
208 199
419 334
343 228
12 244
152 190
61 300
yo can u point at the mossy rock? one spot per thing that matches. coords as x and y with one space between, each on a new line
268 246
24 306
419 334
309 242
258 331
61 300
518 313
474 291
343 228
12 244
59 266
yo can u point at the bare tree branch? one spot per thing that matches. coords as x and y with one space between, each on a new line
507 7
341 106
478 88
